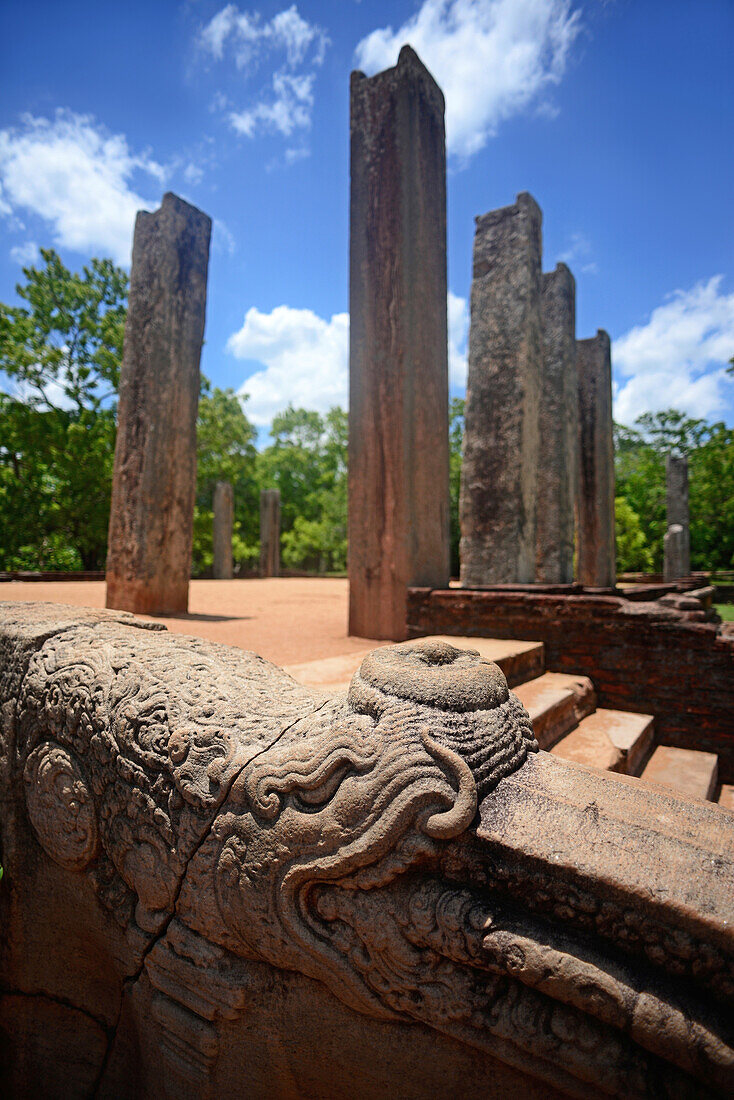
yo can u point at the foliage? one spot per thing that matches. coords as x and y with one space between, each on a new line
225 442
307 461
640 471
61 352
633 553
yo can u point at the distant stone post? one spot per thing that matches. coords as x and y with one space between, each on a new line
398 403
270 533
675 563
499 470
154 480
596 564
223 524
676 500
558 444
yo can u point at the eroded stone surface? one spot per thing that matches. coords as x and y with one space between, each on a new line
558 430
676 508
154 481
503 393
264 867
596 565
398 359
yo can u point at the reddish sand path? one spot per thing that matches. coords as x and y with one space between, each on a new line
289 620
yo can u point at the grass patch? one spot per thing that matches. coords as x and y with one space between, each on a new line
726 611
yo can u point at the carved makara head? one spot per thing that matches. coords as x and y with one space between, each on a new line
358 793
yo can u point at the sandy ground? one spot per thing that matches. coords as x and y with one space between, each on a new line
288 620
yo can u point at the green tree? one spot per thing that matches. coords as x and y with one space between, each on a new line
225 452
633 553
61 353
640 454
307 461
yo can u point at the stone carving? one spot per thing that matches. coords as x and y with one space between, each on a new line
405 847
60 806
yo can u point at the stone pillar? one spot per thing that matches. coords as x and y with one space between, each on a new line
595 550
154 481
223 524
676 501
558 430
270 533
499 470
675 563
398 361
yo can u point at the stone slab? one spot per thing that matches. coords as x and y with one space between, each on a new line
154 479
501 434
595 556
398 350
726 796
556 703
691 773
589 744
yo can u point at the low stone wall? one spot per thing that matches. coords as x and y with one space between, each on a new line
648 657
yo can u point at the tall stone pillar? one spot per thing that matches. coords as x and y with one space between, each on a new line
154 480
398 363
596 565
223 524
270 532
499 470
676 500
558 427
675 546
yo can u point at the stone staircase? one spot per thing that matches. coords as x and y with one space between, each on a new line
565 717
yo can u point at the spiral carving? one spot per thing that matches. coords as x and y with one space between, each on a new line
60 806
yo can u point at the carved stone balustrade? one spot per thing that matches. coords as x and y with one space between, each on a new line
218 883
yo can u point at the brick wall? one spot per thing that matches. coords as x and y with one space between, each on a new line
641 656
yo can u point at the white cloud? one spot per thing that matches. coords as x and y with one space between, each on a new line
492 58
25 254
678 358
305 359
288 109
285 101
78 178
458 331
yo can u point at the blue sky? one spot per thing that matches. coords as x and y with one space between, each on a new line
617 116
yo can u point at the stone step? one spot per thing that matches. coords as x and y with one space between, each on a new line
518 660
726 797
687 771
614 740
556 703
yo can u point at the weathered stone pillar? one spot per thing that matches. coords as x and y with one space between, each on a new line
676 501
223 524
596 565
270 533
558 427
675 563
398 403
154 481
499 471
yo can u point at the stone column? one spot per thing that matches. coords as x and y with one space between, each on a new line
499 470
223 524
270 532
154 480
676 501
558 429
595 551
675 563
398 362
